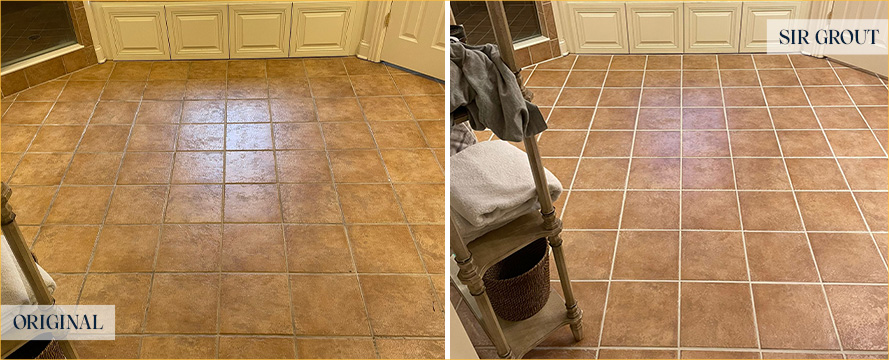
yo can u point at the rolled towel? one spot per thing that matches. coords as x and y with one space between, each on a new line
15 288
492 184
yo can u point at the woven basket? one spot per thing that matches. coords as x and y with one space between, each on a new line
518 286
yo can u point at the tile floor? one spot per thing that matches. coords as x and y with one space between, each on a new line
719 207
281 208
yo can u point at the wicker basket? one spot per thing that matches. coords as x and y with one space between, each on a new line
518 286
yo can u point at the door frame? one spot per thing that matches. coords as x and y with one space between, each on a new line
370 47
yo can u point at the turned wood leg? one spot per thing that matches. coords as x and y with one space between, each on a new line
470 277
24 259
574 312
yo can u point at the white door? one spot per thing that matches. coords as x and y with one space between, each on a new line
597 27
754 22
712 27
326 28
870 10
655 27
415 37
198 30
135 31
259 29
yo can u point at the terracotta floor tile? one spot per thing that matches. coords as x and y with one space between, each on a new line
707 173
803 143
357 166
418 311
868 95
172 308
196 89
211 111
646 173
657 143
302 166
165 90
427 107
860 315
397 134
619 97
699 62
578 97
65 248
238 292
339 109
159 112
231 347
651 210
252 203
608 143
555 78
17 138
333 348
123 90
410 348
369 203
412 166
194 204
710 210
641 314
647 255
62 138
252 248
754 143
781 310
624 79
761 174
131 71
656 62
614 118
856 77
385 108
153 138
126 248
317 248
592 296
130 298
596 173
557 353
293 110
8 163
698 354
247 111
815 174
785 96
247 88
702 97
337 292
192 247
422 203
708 255
817 77
79 205
659 119
802 61
739 78
246 69
21 113
166 347
846 117
863 174
769 211
296 136
703 118
32 211
636 354
748 118
833 95
201 137
373 85
122 347
348 135
854 143
384 249
593 210
250 167
430 240
847 258
700 78
662 79
198 167
829 211
249 137
743 97
140 204
764 61
82 91
168 70
434 133
661 97
793 118
145 168
47 91
93 169
585 79
310 203
717 315
104 138
875 209
780 257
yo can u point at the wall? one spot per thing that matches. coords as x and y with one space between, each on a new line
33 75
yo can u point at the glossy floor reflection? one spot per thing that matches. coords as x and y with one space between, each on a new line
257 208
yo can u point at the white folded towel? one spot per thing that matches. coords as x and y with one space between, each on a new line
491 185
15 288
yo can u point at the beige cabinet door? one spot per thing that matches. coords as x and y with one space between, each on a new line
863 10
712 27
259 30
655 27
198 30
597 27
415 38
754 22
135 31
326 28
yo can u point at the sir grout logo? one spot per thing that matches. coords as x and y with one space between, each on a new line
828 37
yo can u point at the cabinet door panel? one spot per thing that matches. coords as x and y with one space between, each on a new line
325 28
598 27
259 30
198 31
754 23
712 27
655 27
135 31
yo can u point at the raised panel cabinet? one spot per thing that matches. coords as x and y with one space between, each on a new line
712 27
198 30
135 31
754 22
598 27
325 28
259 29
655 27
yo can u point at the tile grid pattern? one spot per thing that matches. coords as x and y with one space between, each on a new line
413 139
597 289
